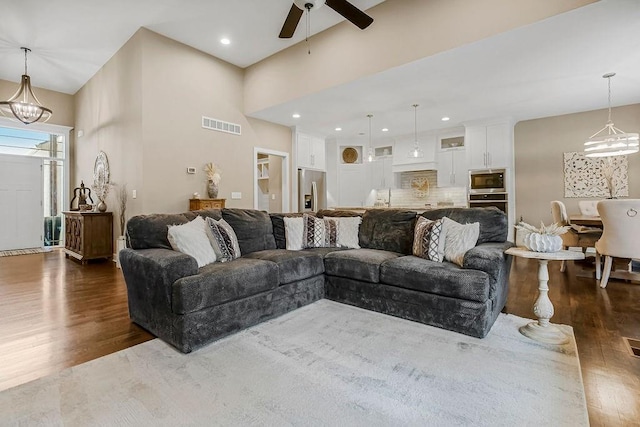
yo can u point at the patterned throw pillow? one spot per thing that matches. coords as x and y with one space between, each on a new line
319 232
293 228
459 239
191 239
223 240
428 242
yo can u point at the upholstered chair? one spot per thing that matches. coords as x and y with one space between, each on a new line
585 238
621 235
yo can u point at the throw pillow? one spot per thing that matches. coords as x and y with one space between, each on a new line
319 232
348 231
459 239
429 239
223 240
293 228
191 239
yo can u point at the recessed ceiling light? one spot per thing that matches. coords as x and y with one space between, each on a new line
385 130
296 116
445 119
338 129
225 41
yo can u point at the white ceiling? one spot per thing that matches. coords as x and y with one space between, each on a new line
548 68
72 39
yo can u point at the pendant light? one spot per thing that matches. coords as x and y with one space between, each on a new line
370 156
611 141
24 105
416 152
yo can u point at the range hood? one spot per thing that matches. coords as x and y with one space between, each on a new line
415 167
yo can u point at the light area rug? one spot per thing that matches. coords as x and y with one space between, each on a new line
28 251
323 364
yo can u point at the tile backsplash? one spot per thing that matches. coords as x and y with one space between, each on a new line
413 192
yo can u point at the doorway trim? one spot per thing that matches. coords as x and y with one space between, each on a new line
286 192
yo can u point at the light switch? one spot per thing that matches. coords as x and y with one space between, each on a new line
273 197
236 195
134 194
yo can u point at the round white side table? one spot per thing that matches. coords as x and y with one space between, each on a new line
543 330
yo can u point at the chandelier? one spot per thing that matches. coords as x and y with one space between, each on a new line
24 105
416 152
610 141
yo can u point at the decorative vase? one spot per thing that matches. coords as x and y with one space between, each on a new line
102 206
121 243
543 242
212 190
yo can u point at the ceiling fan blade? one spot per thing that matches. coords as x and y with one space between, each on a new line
351 13
291 23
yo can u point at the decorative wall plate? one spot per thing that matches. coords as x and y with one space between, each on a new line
101 170
349 155
420 187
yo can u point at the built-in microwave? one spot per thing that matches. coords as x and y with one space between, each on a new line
487 181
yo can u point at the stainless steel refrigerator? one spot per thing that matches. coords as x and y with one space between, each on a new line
312 194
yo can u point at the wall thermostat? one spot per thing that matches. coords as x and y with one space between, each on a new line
191 170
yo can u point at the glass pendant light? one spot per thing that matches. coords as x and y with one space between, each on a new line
24 105
611 141
370 156
416 152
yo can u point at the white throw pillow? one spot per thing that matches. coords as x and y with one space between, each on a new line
348 229
293 229
191 239
459 239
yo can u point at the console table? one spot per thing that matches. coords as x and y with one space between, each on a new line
543 330
197 204
88 235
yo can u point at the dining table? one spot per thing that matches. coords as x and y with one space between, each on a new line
586 220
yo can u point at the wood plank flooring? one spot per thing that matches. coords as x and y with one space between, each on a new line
56 313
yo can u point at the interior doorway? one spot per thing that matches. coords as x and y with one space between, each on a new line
271 180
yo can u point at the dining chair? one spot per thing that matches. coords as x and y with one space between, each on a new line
620 238
572 238
588 207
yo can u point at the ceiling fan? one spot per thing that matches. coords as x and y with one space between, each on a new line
343 7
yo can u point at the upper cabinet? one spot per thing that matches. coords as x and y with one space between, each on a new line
310 151
381 173
452 168
490 146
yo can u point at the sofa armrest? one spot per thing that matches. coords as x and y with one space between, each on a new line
150 274
490 258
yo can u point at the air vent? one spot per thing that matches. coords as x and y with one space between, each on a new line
221 126
633 346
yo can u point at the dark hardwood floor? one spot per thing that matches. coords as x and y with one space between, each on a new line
56 313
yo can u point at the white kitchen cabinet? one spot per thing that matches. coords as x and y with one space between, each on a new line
489 147
452 168
310 152
381 173
353 186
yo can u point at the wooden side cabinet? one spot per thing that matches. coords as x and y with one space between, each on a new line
88 235
197 204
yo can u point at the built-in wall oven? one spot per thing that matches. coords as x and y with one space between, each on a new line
488 188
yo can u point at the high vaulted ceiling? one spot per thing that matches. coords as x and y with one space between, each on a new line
72 39
548 68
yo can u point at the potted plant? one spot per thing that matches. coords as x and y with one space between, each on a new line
547 238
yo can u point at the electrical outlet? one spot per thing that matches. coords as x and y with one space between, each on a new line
191 170
273 197
236 195
134 194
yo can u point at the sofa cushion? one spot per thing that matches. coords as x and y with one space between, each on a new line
493 222
332 213
253 228
223 240
191 239
292 265
323 252
440 278
359 264
388 230
277 222
150 231
218 283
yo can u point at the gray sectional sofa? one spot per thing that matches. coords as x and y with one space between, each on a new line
189 307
